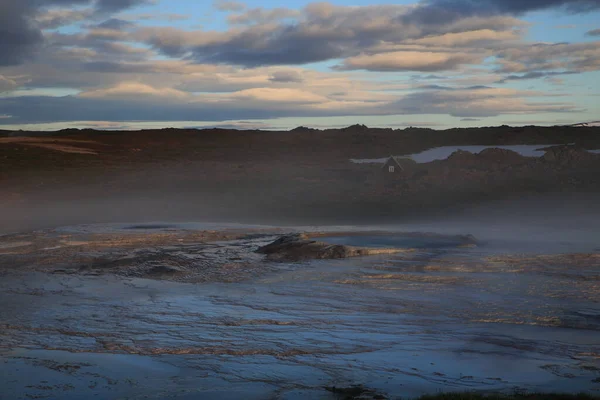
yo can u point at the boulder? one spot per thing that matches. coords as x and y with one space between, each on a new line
298 247
566 154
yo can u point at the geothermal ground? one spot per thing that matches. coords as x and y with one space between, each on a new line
188 312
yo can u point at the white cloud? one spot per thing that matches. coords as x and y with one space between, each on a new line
134 90
410 61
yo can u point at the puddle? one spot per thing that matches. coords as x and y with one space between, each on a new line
442 153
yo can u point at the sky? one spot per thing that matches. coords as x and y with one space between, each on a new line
135 64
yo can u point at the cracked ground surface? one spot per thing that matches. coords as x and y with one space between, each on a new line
168 313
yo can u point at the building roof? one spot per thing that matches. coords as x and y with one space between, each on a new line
394 161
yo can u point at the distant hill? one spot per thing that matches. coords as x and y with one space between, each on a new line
593 123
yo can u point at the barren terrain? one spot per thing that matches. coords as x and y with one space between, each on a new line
129 269
300 177
164 311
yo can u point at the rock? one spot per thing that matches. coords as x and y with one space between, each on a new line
298 247
164 270
461 156
501 155
283 243
468 240
357 392
356 127
302 129
566 154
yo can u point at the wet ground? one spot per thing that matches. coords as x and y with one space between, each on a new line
438 317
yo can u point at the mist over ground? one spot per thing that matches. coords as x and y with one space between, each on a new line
303 177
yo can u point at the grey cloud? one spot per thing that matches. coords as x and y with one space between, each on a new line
41 109
286 76
464 103
55 18
226 5
434 87
440 87
102 43
520 6
119 68
595 32
471 104
155 16
115 24
111 6
253 49
20 33
557 58
323 32
478 87
534 75
262 16
428 77
435 11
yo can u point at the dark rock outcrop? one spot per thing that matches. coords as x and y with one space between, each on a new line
566 155
298 247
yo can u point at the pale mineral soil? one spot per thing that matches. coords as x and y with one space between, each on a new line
191 311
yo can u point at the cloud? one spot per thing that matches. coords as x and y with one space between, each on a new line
469 38
111 6
6 84
409 61
436 11
434 87
321 32
55 18
556 57
262 16
22 35
534 75
226 5
477 103
114 24
134 90
132 101
595 32
171 17
286 77
39 109
272 95
105 44
114 67
125 71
